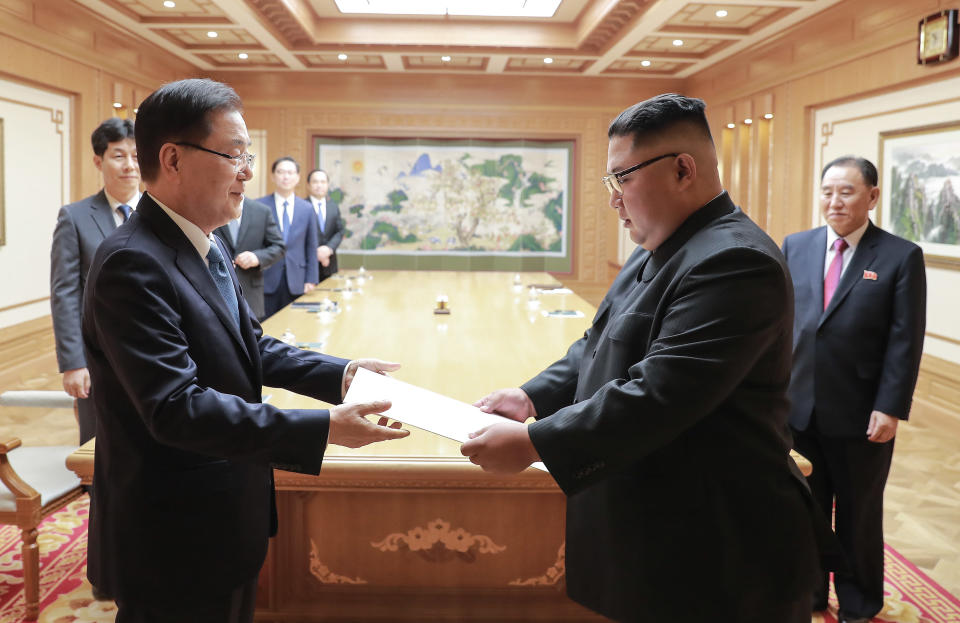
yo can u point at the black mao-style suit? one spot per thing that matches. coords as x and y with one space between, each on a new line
81 227
183 499
665 425
259 234
859 355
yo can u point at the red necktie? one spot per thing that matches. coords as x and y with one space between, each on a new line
832 279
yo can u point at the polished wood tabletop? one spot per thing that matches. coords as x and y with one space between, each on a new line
494 336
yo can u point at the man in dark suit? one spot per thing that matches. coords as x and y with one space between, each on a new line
80 229
254 242
183 500
297 274
665 424
329 222
858 335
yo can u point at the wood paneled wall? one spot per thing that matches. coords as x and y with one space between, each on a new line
292 107
61 47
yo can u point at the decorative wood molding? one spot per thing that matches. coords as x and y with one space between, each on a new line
436 542
612 23
322 572
939 383
551 576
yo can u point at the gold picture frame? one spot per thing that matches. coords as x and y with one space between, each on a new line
920 189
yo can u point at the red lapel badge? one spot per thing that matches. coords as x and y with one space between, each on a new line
869 274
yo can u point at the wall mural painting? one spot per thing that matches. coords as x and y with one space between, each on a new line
464 204
920 182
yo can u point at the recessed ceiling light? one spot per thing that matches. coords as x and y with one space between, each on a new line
213 34
769 115
548 60
243 56
678 42
645 63
445 58
721 13
169 4
748 121
342 56
731 125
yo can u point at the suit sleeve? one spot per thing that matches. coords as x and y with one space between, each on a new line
334 241
273 247
66 292
719 319
134 297
901 361
310 250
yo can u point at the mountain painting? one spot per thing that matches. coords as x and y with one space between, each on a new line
921 186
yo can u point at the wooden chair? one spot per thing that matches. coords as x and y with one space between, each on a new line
35 483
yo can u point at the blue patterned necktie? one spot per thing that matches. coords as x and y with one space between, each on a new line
320 216
218 270
286 221
125 210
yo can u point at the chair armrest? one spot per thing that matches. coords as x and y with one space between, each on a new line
11 480
9 445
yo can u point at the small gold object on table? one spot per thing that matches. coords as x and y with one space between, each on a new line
441 307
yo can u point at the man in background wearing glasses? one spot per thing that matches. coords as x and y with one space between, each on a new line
183 497
665 425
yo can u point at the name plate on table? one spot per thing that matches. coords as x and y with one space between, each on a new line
427 410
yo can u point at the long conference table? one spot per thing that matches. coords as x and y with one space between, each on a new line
409 530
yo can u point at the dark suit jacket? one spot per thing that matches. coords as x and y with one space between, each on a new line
665 425
331 235
183 487
81 227
258 233
301 254
867 344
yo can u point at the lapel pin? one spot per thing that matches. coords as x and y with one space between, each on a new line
869 274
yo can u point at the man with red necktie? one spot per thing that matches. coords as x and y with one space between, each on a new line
860 295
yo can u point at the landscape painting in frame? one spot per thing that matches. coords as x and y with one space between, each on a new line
451 204
920 184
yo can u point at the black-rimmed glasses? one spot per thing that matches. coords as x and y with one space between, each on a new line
239 162
612 181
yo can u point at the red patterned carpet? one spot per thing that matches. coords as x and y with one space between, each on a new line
65 595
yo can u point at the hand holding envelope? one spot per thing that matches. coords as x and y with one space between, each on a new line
440 415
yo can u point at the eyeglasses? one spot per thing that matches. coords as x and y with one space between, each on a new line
612 181
239 162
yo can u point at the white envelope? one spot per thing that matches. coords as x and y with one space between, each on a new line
422 408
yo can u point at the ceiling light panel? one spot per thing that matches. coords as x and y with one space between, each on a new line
479 8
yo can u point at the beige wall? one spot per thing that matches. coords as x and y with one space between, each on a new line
292 107
63 57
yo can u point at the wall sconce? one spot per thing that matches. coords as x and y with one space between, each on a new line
727 118
745 112
118 97
765 104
